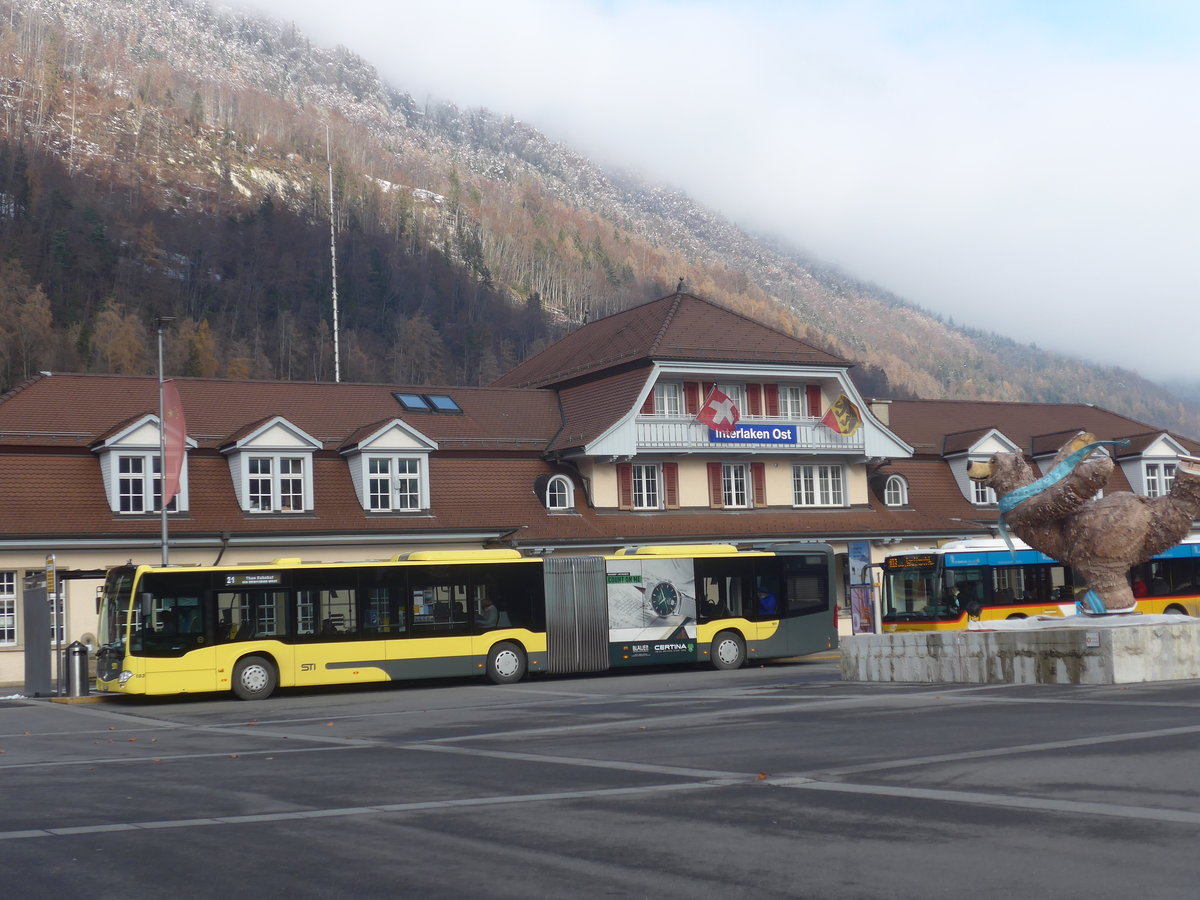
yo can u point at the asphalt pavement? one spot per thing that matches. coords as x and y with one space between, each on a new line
771 781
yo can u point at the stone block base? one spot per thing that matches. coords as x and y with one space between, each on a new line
1090 651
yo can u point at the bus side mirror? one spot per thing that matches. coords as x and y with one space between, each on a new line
146 605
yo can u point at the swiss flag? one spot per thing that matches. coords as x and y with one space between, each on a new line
719 412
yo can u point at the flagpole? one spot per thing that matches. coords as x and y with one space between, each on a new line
160 321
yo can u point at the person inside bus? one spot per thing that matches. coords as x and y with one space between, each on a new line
767 603
489 616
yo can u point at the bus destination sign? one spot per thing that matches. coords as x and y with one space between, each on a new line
909 562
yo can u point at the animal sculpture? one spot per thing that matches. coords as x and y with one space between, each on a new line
1101 538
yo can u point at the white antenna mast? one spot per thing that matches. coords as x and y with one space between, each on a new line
337 355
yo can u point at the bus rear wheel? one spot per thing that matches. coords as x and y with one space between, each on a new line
728 650
1174 610
506 663
253 678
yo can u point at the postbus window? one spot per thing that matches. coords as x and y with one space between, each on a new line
517 592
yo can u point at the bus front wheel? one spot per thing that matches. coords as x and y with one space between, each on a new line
253 678
506 663
728 650
1174 610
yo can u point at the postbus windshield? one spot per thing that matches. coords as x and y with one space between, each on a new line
920 586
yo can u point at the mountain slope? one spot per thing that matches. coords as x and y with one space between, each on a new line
465 239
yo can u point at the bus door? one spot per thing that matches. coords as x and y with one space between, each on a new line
170 628
332 644
439 602
808 589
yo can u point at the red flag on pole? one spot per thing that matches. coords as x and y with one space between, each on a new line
719 412
175 437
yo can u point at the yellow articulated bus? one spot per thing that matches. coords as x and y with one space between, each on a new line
431 614
945 588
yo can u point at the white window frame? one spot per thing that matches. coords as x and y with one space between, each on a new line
895 491
560 494
818 485
793 401
735 484
407 476
148 482
982 494
647 485
1159 477
8 609
736 393
668 400
409 492
286 476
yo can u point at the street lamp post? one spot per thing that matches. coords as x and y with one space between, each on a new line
159 322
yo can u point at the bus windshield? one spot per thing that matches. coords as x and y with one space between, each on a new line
114 606
923 588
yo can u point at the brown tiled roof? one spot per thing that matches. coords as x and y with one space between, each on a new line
679 327
588 409
924 424
75 410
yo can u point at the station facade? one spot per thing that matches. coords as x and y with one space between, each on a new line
604 440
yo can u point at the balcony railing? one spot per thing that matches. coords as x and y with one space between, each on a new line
661 433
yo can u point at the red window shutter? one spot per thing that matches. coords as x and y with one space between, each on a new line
625 485
754 399
771 399
670 472
691 397
758 483
716 492
648 406
812 394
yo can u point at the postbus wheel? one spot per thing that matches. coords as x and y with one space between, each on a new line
253 678
1018 616
506 663
728 650
1175 610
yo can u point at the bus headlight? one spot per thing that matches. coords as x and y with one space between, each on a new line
124 676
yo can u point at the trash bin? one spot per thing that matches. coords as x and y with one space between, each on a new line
77 670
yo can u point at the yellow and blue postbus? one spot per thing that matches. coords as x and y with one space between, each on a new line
943 589
428 614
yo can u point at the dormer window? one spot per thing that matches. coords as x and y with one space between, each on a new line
394 483
131 466
271 467
559 494
895 491
276 483
389 465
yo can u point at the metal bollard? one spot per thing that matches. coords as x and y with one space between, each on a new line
77 670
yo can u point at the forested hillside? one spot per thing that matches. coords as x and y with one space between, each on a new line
162 157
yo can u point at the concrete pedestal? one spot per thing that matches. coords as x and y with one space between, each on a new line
1075 650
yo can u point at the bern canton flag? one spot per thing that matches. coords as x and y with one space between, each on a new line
718 412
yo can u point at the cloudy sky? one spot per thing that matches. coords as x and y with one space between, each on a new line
1026 166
